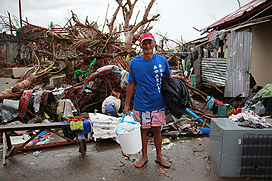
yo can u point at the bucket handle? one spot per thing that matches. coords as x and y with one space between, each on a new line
123 118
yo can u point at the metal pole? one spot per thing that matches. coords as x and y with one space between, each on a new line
20 13
10 24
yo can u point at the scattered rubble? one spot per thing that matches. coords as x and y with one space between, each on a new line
70 71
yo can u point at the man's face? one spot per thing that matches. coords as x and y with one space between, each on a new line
148 46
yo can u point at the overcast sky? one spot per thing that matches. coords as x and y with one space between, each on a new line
177 16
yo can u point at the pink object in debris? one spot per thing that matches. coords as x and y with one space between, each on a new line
24 102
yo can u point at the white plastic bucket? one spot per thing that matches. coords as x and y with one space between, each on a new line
129 137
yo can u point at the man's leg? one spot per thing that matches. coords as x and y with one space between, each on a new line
158 144
144 157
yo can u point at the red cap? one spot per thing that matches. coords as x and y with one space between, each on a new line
145 36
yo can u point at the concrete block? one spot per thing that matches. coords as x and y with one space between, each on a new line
19 71
6 83
7 72
57 81
16 72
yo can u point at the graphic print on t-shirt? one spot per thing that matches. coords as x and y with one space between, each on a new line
158 74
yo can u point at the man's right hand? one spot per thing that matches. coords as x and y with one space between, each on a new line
129 93
126 109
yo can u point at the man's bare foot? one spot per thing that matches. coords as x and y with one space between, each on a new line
140 162
163 162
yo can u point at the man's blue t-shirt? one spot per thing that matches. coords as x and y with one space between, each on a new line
147 76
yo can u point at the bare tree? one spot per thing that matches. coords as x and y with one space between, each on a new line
8 23
130 30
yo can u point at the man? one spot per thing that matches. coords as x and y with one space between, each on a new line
144 80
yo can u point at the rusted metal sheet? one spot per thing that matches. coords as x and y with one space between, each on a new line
214 70
239 12
238 64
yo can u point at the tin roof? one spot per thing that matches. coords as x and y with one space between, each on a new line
238 13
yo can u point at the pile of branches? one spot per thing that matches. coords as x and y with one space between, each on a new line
63 50
56 51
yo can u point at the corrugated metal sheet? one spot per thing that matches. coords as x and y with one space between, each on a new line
239 12
214 70
238 64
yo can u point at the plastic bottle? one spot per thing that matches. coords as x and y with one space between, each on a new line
43 142
46 141
36 153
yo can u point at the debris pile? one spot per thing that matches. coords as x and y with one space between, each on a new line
70 71
78 62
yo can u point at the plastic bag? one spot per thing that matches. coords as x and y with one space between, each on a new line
124 77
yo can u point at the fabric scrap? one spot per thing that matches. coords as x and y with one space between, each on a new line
76 125
69 108
37 101
110 109
250 119
265 92
60 107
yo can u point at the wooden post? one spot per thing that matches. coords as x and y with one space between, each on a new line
8 53
209 54
221 52
4 148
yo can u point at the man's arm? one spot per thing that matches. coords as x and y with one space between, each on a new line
129 93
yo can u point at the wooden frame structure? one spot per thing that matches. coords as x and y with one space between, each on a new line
9 150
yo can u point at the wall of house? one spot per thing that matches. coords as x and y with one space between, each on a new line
261 64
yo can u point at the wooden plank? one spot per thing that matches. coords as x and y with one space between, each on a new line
33 126
4 148
53 144
10 151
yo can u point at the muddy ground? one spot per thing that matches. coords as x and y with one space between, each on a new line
188 155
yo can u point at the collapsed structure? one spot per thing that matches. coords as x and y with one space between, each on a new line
68 72
82 64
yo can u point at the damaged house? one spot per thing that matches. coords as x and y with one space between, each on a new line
236 52
235 59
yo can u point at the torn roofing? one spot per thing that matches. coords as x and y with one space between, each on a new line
244 11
